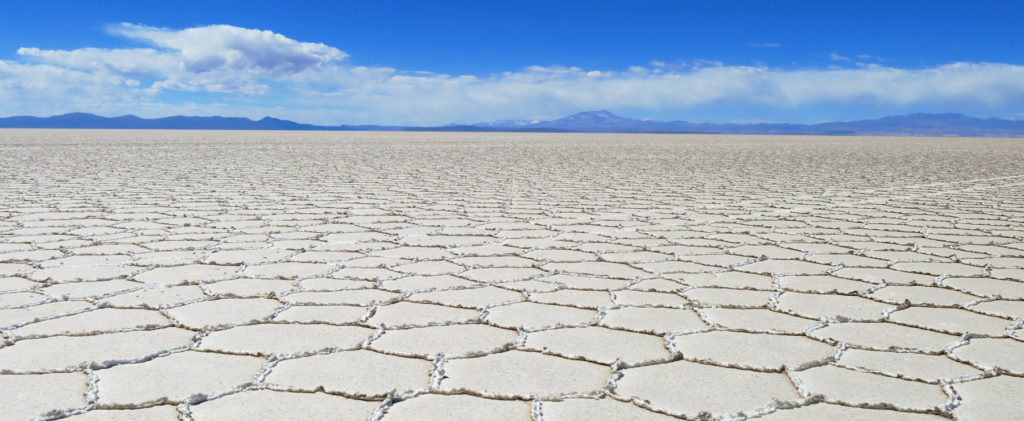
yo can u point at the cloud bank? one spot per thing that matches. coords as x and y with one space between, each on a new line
228 70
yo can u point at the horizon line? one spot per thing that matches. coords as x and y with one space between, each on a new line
536 121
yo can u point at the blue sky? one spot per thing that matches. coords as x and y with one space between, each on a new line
414 62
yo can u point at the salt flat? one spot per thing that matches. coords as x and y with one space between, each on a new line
288 275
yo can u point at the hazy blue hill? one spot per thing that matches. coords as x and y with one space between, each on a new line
919 124
92 121
910 124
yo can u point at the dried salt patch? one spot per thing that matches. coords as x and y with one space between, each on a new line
720 260
857 388
12 269
998 262
501 274
1005 308
325 256
282 339
822 284
471 297
951 320
490 250
429 267
79 274
519 374
156 297
1014 274
101 320
531 286
666 267
991 353
178 245
34 255
323 314
646 298
688 389
223 312
87 260
889 276
162 412
63 352
426 253
430 407
18 299
599 409
333 284
334 373
250 287
90 289
599 344
940 268
447 240
40 394
277 405
637 257
751 350
988 399
848 260
168 258
177 275
576 298
785 267
175 378
726 279
987 287
922 295
611 270
450 340
772 252
884 336
495 261
825 411
823 306
556 255
758 319
426 283
408 313
364 273
728 297
16 284
657 285
289 270
361 297
910 365
249 257
17 316
535 316
586 282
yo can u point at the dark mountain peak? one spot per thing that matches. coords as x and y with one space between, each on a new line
594 116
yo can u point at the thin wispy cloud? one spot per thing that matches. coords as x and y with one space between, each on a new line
230 70
838 57
766 45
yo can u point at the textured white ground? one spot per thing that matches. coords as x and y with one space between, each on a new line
269 275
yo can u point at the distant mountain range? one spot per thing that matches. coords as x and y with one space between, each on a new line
920 124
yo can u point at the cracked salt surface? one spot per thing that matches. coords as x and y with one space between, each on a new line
390 276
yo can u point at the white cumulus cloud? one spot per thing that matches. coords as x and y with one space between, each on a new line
214 47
